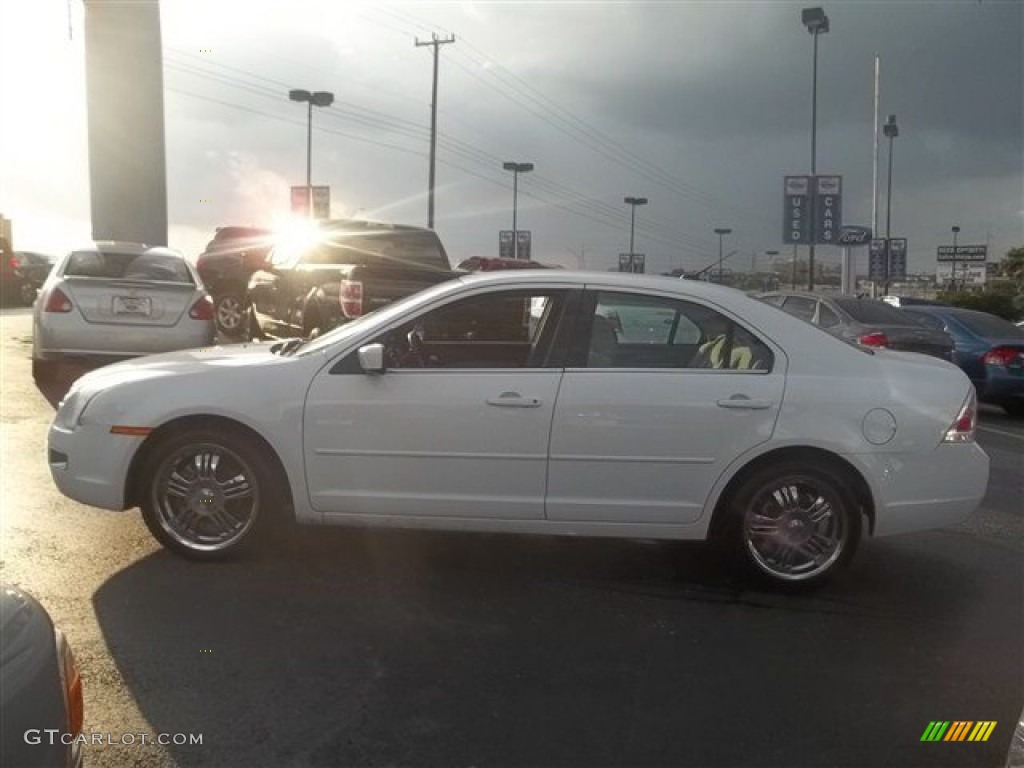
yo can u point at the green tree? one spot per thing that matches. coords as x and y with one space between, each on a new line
1012 266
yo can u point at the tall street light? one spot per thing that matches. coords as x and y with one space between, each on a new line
890 130
516 169
633 202
314 99
817 24
956 231
721 232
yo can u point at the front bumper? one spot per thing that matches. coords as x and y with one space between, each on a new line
90 465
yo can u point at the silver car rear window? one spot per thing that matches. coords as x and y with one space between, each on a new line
162 267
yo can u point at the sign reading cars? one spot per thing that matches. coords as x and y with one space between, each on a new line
828 209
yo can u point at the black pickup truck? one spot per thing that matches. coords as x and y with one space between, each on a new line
347 269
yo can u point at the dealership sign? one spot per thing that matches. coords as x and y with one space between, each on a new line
854 235
796 226
828 209
898 258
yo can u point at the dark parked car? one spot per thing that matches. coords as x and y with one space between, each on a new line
864 321
230 259
345 269
40 687
30 270
989 349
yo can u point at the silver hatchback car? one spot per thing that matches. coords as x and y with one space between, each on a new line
114 300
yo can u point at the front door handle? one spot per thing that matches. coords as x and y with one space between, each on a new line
744 403
513 400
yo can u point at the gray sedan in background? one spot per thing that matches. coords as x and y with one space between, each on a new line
867 322
113 300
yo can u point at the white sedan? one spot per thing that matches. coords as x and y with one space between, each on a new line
542 402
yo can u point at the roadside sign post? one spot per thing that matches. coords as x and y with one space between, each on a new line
321 200
970 256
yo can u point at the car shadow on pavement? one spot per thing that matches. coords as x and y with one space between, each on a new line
357 647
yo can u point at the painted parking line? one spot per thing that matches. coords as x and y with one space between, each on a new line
1004 433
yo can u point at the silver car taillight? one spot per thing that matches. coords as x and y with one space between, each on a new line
962 429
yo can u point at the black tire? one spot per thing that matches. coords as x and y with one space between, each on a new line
230 313
44 371
210 494
1014 408
794 525
27 293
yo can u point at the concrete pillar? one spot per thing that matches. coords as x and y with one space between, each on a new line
124 87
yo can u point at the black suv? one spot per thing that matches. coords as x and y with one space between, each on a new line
347 268
230 259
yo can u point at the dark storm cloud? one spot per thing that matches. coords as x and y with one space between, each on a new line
952 68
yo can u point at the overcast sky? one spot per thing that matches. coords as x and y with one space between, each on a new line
702 107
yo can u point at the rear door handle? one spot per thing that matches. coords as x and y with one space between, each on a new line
513 400
744 403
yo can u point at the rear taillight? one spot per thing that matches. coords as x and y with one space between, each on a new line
202 309
13 262
57 301
351 294
875 339
1000 356
200 263
962 430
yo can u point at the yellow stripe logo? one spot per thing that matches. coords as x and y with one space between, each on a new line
958 730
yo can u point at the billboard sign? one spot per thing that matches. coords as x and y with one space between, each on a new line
967 273
898 258
852 235
963 253
625 263
878 260
828 209
796 217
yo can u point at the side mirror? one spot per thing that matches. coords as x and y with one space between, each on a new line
371 358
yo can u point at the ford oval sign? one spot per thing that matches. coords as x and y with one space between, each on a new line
854 235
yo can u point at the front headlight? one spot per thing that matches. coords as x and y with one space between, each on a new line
69 414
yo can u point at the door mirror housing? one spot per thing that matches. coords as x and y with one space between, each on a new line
371 358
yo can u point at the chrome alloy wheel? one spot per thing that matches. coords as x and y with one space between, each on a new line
796 528
206 497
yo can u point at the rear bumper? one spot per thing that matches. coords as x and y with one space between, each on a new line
926 491
54 340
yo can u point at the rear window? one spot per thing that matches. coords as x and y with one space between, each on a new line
989 326
416 248
162 267
871 312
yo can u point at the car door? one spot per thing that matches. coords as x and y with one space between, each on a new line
458 424
645 423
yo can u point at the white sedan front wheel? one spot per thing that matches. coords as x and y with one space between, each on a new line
207 493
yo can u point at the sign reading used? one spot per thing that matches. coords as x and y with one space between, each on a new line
796 218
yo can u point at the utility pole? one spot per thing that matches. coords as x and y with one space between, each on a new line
436 42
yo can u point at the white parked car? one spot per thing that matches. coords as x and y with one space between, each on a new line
114 300
538 402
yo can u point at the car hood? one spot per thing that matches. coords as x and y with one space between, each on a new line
188 362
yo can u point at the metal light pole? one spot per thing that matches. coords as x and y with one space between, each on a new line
956 231
891 131
516 169
817 23
314 99
721 232
633 202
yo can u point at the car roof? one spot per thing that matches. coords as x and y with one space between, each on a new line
124 246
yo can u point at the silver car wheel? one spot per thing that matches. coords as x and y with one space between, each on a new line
796 528
230 313
206 497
